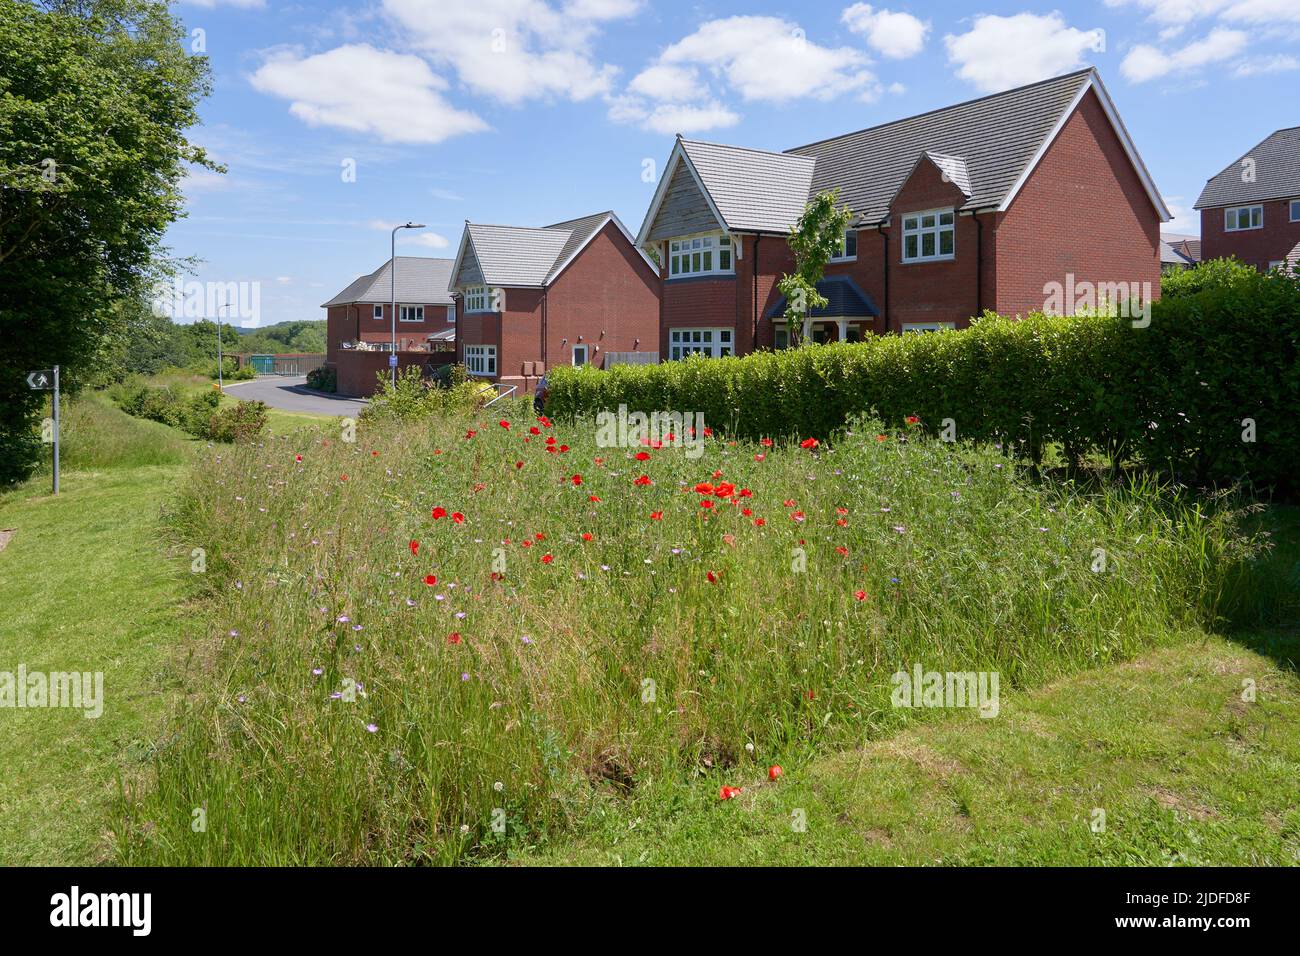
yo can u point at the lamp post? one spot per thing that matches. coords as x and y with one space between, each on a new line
220 382
392 276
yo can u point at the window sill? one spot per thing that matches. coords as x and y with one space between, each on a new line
927 259
844 259
729 276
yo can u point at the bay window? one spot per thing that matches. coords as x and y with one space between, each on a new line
929 235
478 298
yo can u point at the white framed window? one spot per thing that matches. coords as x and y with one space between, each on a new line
580 355
479 298
1295 210
707 254
410 313
1241 218
712 343
929 235
928 326
481 359
451 312
379 312
848 247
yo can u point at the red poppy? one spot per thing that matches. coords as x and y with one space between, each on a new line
708 432
759 522
796 516
765 442
643 480
457 517
746 511
519 464
809 443
539 536
843 550
453 637
563 449
594 498
534 430
550 439
586 536
725 490
774 771
297 457
759 457
860 595
547 558
656 516
642 456
706 503
841 511
812 695
576 479
843 523
471 433
439 512
912 419
880 438
343 477
415 547
546 422
789 502
503 423
713 578
729 793
704 488
431 579
745 493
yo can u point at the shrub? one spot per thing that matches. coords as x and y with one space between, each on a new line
412 397
241 422
323 379
1214 274
1207 392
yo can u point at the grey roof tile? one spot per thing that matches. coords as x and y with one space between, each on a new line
754 190
996 136
1276 174
419 279
580 231
844 298
517 255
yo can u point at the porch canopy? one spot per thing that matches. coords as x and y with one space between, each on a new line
845 303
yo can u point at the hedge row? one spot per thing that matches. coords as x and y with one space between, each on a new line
1175 395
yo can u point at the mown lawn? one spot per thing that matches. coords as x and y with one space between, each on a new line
1185 771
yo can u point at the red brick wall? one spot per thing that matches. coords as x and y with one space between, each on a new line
1083 211
341 323
1256 247
608 299
357 370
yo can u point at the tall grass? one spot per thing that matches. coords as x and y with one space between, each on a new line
96 435
618 659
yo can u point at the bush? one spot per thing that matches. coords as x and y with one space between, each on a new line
241 422
413 398
1207 392
323 379
1214 274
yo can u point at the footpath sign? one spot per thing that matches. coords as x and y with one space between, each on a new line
43 380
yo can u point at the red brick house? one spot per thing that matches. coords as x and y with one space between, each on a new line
1251 209
362 313
982 205
578 292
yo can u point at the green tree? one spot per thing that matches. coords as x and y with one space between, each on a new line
815 239
95 100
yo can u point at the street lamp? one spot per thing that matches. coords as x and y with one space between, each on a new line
392 276
220 382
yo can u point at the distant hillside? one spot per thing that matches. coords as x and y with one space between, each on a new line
299 336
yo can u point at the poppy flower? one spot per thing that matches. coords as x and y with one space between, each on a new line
774 771
550 439
812 695
725 490
343 477
809 443
297 457
546 422
586 536
504 424
796 516
713 578
745 493
860 595
842 522
457 517
439 512
704 488
519 464
656 516
718 473
534 430
642 456
539 536
788 503
765 442
594 498
759 457
563 449
729 793
453 637
880 438
471 433
706 503
747 512
841 511
843 551
547 558
431 579
643 480
912 419
759 522
576 479
415 547
708 432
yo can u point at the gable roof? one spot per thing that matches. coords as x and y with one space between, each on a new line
1171 256
987 147
1189 247
1276 169
530 256
419 279
844 299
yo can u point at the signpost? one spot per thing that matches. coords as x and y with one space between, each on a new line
46 379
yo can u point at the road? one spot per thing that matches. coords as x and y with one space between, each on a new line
290 394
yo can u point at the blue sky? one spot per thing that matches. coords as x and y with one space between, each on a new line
532 111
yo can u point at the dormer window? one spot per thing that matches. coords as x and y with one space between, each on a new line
706 254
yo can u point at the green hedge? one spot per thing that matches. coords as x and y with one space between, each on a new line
1172 395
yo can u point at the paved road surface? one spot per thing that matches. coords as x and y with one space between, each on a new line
289 393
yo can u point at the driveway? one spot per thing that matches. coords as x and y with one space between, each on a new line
291 394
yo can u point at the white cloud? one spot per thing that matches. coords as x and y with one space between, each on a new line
1185 221
770 59
1145 62
668 118
1174 15
1263 11
514 50
1278 63
998 53
663 82
419 237
895 35
209 4
391 95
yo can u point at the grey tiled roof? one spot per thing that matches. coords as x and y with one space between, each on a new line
580 231
844 298
1169 256
755 190
997 136
1276 171
516 255
419 279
